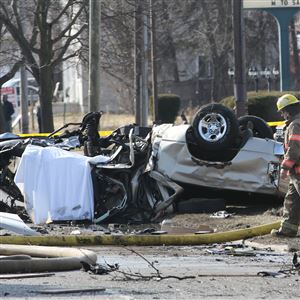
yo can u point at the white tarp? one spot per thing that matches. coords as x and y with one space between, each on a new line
56 184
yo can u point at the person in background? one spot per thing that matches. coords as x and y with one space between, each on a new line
289 107
39 116
8 110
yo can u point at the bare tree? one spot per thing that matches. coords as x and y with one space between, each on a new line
118 47
295 52
261 39
9 63
47 33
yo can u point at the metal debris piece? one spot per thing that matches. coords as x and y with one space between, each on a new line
272 274
69 291
99 269
222 214
15 224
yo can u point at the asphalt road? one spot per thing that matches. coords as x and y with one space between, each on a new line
203 276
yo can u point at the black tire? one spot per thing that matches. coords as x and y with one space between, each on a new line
215 127
201 205
260 127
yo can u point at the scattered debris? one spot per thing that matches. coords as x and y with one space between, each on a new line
168 226
295 261
232 251
293 270
159 232
69 291
156 276
14 223
278 274
222 214
146 231
99 269
240 250
75 232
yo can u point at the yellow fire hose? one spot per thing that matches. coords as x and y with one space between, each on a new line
63 259
141 240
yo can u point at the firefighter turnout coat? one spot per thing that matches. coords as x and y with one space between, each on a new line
291 161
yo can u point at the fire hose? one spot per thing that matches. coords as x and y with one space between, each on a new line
22 259
141 240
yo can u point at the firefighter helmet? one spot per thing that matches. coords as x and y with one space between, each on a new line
285 101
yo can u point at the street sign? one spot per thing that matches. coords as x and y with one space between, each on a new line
271 3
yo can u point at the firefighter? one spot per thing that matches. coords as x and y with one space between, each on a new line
289 107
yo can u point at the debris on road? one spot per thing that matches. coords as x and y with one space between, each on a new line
222 214
69 291
240 250
99 269
170 228
13 222
278 274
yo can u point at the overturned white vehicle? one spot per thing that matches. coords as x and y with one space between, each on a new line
218 151
137 173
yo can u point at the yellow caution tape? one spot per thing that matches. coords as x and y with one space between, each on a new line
108 132
102 133
276 123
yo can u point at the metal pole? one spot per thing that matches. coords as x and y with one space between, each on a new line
94 55
153 62
239 59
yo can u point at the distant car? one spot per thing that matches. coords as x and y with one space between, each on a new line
220 151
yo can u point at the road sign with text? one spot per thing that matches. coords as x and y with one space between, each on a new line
271 3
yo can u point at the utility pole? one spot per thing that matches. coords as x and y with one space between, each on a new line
138 50
239 58
94 55
145 96
23 87
24 100
153 61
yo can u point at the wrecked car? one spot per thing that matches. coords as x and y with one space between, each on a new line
220 151
136 174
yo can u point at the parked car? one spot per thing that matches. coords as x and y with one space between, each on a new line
138 173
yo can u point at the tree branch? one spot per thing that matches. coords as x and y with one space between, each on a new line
17 17
11 73
69 26
55 20
33 38
20 39
67 44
